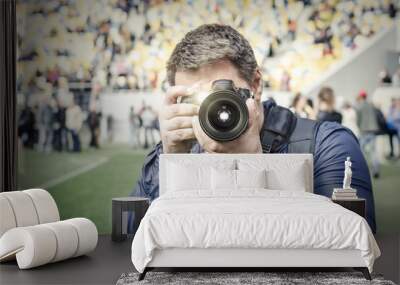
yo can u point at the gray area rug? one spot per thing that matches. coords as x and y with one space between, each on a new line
231 278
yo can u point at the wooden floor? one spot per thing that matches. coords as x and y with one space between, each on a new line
110 260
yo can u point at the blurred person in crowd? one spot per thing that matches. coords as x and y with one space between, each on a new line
383 128
392 9
368 124
93 120
53 75
45 123
326 106
349 118
148 117
285 81
384 77
60 141
324 36
302 107
74 121
292 27
110 128
393 123
27 126
134 128
396 78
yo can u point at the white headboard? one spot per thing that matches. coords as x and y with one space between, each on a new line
265 159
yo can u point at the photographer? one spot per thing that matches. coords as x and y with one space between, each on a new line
214 52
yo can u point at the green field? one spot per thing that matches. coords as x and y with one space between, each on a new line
84 184
87 194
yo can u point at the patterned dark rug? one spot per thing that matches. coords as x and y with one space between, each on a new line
269 278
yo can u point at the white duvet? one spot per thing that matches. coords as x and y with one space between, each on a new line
253 218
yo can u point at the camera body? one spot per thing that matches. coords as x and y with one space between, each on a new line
223 115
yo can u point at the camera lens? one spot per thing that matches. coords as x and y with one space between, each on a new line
223 115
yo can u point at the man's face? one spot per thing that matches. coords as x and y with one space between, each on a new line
206 74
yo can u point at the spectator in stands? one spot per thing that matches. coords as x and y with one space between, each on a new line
134 129
74 121
349 115
292 27
148 118
302 107
326 106
384 77
368 125
285 81
94 127
324 37
392 10
27 126
60 131
45 123
110 128
383 126
393 122
396 78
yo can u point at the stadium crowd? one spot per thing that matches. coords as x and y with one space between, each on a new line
124 44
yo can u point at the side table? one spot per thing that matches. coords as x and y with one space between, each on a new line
355 205
121 207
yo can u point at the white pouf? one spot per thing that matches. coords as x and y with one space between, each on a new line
46 207
23 208
37 245
31 233
33 246
7 220
67 240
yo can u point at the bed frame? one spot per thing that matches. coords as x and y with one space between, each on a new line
248 259
245 259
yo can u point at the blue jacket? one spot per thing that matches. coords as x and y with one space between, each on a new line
333 144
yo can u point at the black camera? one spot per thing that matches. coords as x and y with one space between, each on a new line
223 115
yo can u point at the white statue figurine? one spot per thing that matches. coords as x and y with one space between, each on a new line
347 174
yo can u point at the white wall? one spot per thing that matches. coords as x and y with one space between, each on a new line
361 70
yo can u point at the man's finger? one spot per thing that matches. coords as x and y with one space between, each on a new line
208 144
183 109
172 94
177 123
181 135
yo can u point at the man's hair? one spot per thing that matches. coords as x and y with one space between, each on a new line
326 95
210 43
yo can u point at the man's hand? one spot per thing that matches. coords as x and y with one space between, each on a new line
176 121
248 142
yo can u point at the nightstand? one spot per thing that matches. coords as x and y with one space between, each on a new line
120 214
355 205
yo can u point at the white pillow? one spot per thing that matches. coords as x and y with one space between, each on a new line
223 179
251 178
293 178
184 175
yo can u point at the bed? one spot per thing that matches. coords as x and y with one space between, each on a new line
242 211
